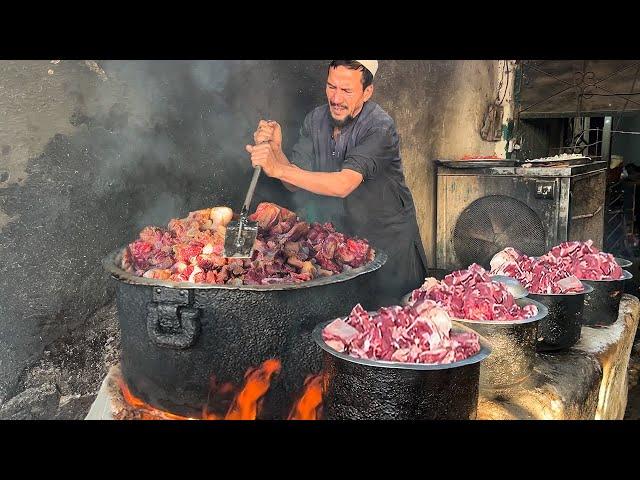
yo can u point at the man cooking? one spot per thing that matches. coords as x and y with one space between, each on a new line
349 149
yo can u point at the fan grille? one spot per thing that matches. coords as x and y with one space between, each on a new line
493 223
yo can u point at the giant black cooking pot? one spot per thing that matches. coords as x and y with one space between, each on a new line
176 337
361 389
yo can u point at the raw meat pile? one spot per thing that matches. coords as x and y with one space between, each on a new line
585 261
287 250
560 269
543 275
420 334
471 295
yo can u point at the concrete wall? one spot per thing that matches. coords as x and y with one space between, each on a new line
438 107
90 153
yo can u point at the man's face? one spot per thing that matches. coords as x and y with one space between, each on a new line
345 94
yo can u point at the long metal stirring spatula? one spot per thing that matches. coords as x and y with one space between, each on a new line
241 234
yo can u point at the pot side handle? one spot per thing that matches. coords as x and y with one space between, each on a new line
171 320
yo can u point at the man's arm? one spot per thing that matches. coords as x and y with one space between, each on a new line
333 184
282 158
362 163
275 164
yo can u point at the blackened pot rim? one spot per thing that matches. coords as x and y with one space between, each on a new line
110 264
587 289
543 311
484 352
626 276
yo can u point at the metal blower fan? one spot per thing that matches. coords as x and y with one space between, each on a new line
493 223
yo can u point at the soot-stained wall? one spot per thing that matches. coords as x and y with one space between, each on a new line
91 152
438 107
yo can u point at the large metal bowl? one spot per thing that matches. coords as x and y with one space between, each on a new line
562 327
361 389
623 262
602 304
513 343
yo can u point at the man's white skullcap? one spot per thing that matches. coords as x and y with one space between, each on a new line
371 65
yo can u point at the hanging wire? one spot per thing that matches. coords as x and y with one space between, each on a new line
633 87
612 131
613 95
597 142
505 74
582 147
584 81
499 86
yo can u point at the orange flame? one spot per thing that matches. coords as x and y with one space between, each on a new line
147 412
307 407
243 407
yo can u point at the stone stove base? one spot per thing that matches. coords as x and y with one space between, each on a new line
587 382
109 403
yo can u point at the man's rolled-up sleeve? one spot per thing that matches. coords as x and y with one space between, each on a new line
369 156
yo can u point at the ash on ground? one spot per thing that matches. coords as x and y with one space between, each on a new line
66 380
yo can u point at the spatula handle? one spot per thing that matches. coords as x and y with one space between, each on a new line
252 186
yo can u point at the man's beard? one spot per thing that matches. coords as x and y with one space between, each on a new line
340 123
